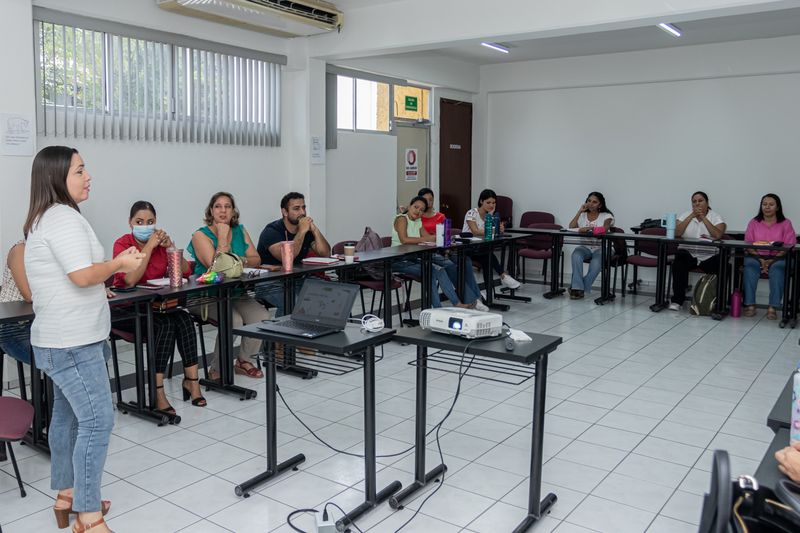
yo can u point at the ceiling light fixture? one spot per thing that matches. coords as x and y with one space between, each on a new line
671 29
495 46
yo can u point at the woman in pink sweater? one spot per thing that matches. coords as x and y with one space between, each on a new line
768 226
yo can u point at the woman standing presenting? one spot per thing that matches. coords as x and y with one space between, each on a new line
66 270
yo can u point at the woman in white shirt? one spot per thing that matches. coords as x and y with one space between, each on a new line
699 223
66 271
593 216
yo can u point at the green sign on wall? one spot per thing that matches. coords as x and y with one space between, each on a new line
411 103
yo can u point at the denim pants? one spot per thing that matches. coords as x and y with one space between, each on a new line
752 272
272 293
82 419
471 290
579 255
15 341
440 276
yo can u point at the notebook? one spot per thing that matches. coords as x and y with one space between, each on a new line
322 308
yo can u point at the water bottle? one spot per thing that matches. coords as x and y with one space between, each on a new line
448 226
794 430
488 229
496 224
439 234
736 303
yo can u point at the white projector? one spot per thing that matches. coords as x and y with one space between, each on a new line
462 322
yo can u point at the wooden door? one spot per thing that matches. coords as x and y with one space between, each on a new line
455 159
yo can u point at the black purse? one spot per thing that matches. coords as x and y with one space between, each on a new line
742 506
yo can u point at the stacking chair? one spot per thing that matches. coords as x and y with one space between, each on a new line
539 247
645 254
376 285
16 416
536 217
505 208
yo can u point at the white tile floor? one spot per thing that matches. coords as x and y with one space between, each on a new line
636 403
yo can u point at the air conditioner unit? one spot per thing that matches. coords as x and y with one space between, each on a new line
284 18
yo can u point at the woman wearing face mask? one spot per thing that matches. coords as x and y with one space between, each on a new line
592 216
769 225
168 327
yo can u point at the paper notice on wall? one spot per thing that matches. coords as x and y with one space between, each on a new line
412 166
16 134
317 150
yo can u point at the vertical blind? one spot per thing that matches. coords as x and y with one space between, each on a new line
100 85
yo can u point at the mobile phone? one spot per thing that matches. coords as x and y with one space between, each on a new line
123 289
777 243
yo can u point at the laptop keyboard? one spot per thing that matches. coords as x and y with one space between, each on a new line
305 326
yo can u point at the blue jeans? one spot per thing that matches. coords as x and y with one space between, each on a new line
82 419
752 272
16 341
440 276
471 290
579 255
272 293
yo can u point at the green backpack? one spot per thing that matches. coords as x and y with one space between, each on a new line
705 296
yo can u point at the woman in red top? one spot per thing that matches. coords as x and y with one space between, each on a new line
431 217
168 327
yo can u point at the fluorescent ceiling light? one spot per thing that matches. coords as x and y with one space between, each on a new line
495 46
671 29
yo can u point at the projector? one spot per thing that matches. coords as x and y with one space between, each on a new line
462 322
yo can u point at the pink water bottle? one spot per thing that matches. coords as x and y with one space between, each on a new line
174 257
287 255
736 303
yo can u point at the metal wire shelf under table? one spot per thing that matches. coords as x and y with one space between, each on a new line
487 368
334 365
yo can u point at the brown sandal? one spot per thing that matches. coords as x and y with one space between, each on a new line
62 515
80 527
251 370
772 314
750 310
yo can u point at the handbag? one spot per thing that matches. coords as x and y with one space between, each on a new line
228 264
743 506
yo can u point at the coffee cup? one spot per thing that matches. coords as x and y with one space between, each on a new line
349 253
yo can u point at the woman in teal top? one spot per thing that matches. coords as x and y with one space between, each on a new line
223 233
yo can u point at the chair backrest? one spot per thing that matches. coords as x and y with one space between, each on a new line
540 242
338 248
536 217
649 247
386 242
505 208
620 245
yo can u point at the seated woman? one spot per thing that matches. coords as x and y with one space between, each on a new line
407 229
224 233
168 327
769 225
593 213
474 223
15 340
431 217
699 223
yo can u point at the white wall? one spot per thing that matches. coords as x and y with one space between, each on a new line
647 129
361 177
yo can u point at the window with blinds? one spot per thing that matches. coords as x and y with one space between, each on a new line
97 84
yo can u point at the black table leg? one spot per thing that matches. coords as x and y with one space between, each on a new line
536 507
421 478
289 364
721 305
555 261
788 301
373 498
387 295
273 468
661 278
35 436
512 271
488 280
606 295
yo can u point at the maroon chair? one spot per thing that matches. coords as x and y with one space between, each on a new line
536 217
505 208
619 259
539 247
376 285
16 416
645 254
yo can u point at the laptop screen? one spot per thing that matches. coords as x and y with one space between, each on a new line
325 302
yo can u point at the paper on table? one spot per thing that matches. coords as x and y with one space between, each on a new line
158 282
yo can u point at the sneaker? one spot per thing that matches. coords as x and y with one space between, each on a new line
510 282
674 306
575 294
480 306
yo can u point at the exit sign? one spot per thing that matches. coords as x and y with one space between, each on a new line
411 103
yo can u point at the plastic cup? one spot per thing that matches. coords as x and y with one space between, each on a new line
287 256
349 253
174 257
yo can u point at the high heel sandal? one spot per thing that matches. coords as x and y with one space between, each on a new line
80 527
168 409
62 515
187 394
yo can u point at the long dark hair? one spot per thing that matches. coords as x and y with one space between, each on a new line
778 211
485 195
603 207
704 195
419 198
142 205
49 183
209 218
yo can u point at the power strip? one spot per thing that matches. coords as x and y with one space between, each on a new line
325 526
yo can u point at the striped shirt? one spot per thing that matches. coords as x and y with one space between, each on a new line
61 242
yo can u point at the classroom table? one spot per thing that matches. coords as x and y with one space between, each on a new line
534 352
767 473
780 415
351 341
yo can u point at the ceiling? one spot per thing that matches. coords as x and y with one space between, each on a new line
712 30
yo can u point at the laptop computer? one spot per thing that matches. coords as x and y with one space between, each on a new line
322 308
